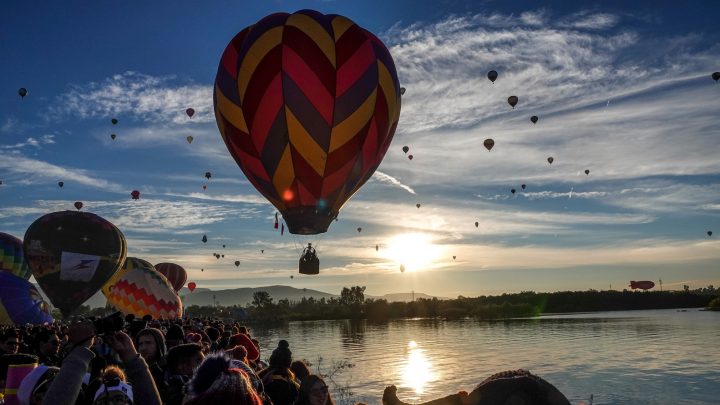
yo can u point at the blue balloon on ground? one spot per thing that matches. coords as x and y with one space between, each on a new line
21 303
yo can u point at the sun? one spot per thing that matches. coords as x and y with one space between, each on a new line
414 251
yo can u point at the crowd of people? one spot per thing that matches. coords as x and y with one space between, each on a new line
199 361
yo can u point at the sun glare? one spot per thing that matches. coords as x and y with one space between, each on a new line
414 251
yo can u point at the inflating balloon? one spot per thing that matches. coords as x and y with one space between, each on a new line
135 195
307 105
190 112
550 160
72 255
715 76
12 258
176 274
23 92
406 149
512 100
143 291
191 286
587 172
113 136
114 121
130 263
534 119
21 303
60 184
488 143
78 205
189 139
492 75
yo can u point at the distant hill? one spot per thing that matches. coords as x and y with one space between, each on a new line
244 296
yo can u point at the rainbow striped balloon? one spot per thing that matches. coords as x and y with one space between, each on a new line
12 258
143 291
307 104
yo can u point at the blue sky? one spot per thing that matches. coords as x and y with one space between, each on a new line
621 88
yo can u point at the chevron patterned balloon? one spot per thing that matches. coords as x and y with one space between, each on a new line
12 258
143 291
130 263
307 104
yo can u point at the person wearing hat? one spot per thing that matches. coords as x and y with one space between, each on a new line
218 381
279 381
174 336
115 392
34 387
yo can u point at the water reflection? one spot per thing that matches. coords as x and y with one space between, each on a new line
418 369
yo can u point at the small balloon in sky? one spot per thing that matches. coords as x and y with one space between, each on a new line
512 191
262 251
587 172
191 286
488 143
402 91
550 159
402 268
359 229
22 92
204 238
715 76
78 205
709 233
135 195
60 184
523 186
454 257
208 175
204 186
377 247
512 100
406 149
190 112
189 139
113 136
492 75
534 119
476 224
114 121
410 157
237 263
417 205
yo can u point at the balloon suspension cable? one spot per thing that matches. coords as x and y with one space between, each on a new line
294 238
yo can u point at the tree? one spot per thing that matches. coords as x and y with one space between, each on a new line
261 299
353 296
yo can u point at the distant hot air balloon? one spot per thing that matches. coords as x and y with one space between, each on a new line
307 104
550 160
715 76
237 263
643 285
223 256
190 112
208 175
410 157
72 255
223 246
114 121
204 186
191 286
359 229
21 303
476 224
262 251
135 195
176 274
492 75
78 205
454 257
523 186
113 136
202 269
534 119
204 238
12 257
377 247
61 184
22 92
488 143
143 291
402 268
709 233
512 100
405 149
402 91
512 190
417 205
189 138
587 172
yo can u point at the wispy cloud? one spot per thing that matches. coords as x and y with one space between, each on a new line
386 178
140 96
33 171
592 21
31 141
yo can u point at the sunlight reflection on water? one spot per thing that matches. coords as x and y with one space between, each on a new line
418 370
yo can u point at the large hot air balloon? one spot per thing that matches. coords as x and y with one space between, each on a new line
512 100
492 75
72 255
307 104
190 112
488 143
143 291
129 264
12 259
643 285
21 303
191 286
176 274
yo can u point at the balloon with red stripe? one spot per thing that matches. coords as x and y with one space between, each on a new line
175 273
144 291
307 105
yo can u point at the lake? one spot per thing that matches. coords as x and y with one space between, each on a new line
622 357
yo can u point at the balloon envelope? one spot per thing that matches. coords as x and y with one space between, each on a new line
716 76
129 264
190 112
175 273
143 291
72 255
492 75
21 303
191 286
189 139
78 205
643 285
22 92
12 258
512 100
550 160
534 119
135 195
488 144
307 105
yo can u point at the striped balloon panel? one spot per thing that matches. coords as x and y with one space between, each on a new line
175 273
143 291
307 104
12 258
130 263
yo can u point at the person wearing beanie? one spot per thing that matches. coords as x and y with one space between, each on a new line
279 381
114 392
216 381
174 336
243 340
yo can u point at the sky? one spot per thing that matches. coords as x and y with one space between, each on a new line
622 89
